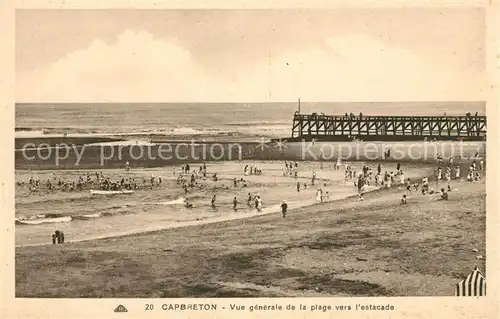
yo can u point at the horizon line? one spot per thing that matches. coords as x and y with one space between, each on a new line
260 102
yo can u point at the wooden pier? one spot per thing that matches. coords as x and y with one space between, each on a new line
347 127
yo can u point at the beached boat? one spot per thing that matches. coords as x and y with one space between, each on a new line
100 192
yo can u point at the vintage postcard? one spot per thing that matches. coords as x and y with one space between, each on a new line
259 160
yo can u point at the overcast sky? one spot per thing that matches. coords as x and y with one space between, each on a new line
250 56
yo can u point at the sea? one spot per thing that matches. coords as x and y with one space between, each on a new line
230 119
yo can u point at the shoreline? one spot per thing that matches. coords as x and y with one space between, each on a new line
232 216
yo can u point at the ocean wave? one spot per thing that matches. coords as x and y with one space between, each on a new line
58 130
87 216
56 201
231 130
258 123
60 218
178 201
116 213
27 129
39 221
121 206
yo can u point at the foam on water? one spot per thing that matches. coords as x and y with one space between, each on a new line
64 219
178 201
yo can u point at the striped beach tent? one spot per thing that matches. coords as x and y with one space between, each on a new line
472 286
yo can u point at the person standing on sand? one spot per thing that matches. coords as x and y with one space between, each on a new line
59 235
235 204
360 184
284 207
213 200
258 204
408 185
318 195
298 187
389 181
249 200
440 159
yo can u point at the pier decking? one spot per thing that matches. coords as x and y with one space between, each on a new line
392 128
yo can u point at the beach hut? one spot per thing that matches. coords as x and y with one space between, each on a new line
472 286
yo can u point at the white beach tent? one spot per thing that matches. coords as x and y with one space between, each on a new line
472 286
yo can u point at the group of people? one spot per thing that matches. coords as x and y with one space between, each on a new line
58 237
447 174
188 178
291 169
95 180
253 201
252 170
198 177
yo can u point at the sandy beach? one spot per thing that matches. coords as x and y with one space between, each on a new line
338 248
